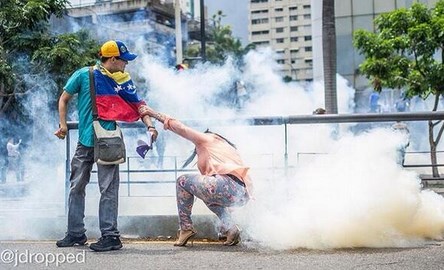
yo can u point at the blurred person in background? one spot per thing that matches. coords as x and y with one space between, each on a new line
3 159
402 128
14 158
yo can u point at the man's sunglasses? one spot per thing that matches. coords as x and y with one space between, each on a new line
118 58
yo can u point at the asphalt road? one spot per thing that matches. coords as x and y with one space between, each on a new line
213 255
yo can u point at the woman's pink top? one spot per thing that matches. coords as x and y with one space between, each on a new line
214 154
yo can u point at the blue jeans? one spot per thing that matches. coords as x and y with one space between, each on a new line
3 168
108 178
14 164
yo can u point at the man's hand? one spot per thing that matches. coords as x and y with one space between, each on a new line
63 108
61 132
154 133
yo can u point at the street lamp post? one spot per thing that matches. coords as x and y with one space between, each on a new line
178 32
202 30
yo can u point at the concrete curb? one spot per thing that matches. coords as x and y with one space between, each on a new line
157 227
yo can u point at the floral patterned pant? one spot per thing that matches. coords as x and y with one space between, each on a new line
218 192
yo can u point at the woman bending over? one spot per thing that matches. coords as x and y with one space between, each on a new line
223 181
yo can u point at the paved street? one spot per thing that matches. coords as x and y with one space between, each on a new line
212 255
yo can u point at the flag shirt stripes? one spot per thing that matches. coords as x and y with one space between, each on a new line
116 96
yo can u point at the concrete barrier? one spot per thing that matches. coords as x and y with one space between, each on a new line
147 227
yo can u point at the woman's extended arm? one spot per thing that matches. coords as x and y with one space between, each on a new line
176 126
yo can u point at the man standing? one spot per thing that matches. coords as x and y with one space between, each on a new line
3 159
402 128
116 99
14 158
375 107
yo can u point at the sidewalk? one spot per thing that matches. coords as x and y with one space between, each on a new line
213 255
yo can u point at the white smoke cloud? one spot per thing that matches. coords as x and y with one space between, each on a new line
356 196
339 189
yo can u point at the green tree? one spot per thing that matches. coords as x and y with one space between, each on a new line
17 19
406 52
63 54
221 43
27 47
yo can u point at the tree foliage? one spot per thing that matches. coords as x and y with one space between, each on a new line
28 48
402 54
406 52
64 53
221 43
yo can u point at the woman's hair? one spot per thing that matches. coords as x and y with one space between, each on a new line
193 155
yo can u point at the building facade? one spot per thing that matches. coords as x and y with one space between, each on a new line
153 20
350 16
285 26
293 29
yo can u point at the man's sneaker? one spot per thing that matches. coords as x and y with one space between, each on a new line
70 241
107 243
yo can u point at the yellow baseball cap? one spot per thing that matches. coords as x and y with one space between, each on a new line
116 48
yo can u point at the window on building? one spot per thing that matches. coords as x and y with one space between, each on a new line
293 17
259 21
292 8
280 30
307 16
308 49
306 6
262 11
257 33
84 19
293 28
279 19
307 38
278 9
259 43
293 39
259 1
279 40
280 61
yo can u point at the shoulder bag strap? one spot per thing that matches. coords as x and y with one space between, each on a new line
93 93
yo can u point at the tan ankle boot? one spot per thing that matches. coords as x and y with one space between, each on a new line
183 236
233 236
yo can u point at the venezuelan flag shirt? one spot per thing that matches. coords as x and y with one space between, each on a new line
116 96
78 84
116 100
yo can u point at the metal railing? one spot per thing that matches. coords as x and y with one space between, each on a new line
260 121
128 171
